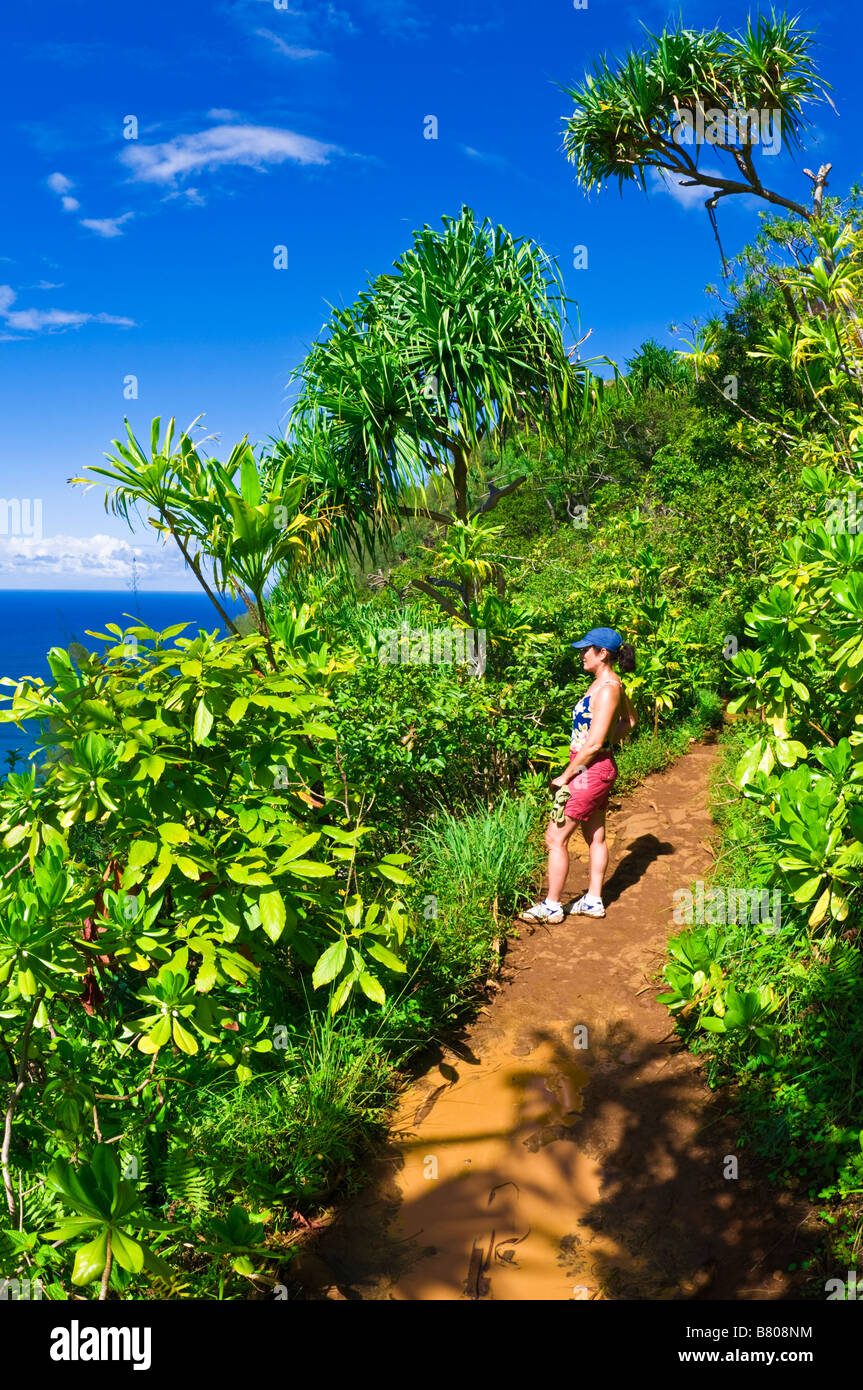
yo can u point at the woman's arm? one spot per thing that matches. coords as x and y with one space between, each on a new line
602 708
626 721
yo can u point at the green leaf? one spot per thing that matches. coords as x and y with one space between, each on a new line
173 833
154 766
386 957
160 873
309 868
354 909
90 1259
330 963
183 1038
237 709
391 872
141 853
254 878
272 909
203 721
748 764
126 1251
372 988
250 482
341 995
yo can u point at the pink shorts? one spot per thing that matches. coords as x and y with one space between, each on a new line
590 788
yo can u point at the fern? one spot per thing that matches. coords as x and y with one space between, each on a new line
187 1181
42 1208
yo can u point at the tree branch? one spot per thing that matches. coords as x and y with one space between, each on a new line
13 1101
439 599
496 493
426 512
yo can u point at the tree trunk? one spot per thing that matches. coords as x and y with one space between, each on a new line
459 475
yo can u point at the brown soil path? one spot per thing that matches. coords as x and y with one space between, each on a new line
569 1148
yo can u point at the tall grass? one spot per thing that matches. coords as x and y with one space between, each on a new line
491 856
291 1137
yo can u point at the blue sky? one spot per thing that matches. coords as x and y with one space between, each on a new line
260 126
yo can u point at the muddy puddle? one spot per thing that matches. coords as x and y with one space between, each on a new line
483 1190
492 1185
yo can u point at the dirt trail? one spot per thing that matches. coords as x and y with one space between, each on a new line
526 1165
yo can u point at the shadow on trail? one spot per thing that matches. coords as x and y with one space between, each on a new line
688 1230
640 854
667 1223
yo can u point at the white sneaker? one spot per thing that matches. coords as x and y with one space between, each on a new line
583 908
541 912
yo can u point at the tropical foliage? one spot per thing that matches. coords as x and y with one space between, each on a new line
253 870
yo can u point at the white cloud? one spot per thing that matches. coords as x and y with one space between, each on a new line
250 145
697 196
49 320
661 182
59 183
220 113
106 226
496 160
288 50
35 320
97 557
191 195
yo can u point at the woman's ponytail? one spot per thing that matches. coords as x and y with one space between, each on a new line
626 659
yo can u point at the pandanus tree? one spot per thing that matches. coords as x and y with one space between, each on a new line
654 367
657 108
403 387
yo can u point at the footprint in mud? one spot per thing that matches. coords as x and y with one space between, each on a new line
549 1134
427 1105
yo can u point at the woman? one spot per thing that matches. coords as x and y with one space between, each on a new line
603 715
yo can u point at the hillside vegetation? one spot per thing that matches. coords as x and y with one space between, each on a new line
257 869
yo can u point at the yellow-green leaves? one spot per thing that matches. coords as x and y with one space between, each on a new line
386 957
370 933
173 833
330 964
388 868
90 1259
203 721
272 909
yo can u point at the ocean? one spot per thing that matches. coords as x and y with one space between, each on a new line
34 620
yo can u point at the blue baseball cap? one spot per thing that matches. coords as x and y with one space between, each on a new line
601 637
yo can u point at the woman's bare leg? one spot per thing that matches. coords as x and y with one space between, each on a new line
593 831
556 837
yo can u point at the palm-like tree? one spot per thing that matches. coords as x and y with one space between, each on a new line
700 351
655 367
221 516
396 398
631 115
